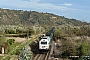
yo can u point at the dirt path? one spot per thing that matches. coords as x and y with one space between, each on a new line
17 39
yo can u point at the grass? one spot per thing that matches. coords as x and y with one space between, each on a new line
1 57
7 58
17 51
12 47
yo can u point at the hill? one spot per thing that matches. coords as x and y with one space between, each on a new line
16 17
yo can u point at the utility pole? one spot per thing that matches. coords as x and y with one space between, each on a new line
27 36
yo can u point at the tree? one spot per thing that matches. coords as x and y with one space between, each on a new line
84 49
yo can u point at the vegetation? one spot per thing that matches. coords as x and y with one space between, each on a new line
10 41
84 49
17 17
7 58
2 41
18 50
73 31
10 48
75 41
18 23
1 57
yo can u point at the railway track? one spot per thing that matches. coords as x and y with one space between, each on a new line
41 56
45 56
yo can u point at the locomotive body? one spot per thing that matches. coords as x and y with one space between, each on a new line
45 42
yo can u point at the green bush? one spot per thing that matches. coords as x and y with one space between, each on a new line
10 41
9 31
17 52
84 49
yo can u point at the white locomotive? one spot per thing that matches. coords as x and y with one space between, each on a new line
45 42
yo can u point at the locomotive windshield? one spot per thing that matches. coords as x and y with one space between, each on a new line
43 42
44 38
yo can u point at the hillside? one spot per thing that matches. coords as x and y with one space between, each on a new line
16 17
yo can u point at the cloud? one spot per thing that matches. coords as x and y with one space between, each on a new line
26 0
31 0
31 4
34 4
66 4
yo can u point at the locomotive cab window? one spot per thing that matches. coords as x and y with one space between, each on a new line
43 42
44 38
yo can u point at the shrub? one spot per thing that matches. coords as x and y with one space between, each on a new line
10 41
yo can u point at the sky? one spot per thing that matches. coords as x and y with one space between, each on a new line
76 9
